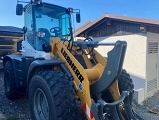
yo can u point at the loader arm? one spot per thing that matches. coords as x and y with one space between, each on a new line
81 82
103 74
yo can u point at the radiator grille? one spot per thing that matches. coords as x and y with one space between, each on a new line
151 87
152 47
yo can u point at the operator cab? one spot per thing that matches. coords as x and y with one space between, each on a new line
42 22
45 22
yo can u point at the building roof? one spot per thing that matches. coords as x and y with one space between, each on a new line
10 29
116 17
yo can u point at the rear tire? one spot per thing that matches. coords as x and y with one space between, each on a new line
11 91
52 97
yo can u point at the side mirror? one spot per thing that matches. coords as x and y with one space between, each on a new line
78 18
24 29
19 9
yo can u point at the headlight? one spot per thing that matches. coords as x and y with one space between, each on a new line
40 34
1 58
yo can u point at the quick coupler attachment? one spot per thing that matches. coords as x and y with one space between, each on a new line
130 113
117 110
110 110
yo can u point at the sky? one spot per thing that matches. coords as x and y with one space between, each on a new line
90 9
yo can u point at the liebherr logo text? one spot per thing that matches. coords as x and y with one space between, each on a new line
70 62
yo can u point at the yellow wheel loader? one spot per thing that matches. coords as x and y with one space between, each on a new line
65 79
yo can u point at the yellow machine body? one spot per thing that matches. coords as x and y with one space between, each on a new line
83 78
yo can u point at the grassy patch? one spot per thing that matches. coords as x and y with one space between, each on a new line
12 118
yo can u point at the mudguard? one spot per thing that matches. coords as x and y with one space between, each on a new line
40 63
15 60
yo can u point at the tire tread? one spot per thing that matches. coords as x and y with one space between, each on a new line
67 105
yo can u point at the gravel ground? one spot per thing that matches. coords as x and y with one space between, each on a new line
150 103
17 108
20 108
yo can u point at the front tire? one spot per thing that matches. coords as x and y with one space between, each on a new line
125 83
52 97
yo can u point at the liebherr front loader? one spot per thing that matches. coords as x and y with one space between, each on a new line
66 79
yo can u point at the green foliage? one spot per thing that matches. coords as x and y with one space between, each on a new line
12 118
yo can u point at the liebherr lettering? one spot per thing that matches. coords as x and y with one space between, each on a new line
74 68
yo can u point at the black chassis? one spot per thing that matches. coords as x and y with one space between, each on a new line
25 67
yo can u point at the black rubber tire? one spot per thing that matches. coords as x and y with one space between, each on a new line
59 94
125 83
11 91
2 75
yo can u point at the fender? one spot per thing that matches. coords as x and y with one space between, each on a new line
38 63
11 58
15 59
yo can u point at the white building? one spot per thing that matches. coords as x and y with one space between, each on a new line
142 37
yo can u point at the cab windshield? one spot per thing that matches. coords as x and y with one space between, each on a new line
53 21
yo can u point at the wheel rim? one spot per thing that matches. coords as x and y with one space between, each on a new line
41 108
7 81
